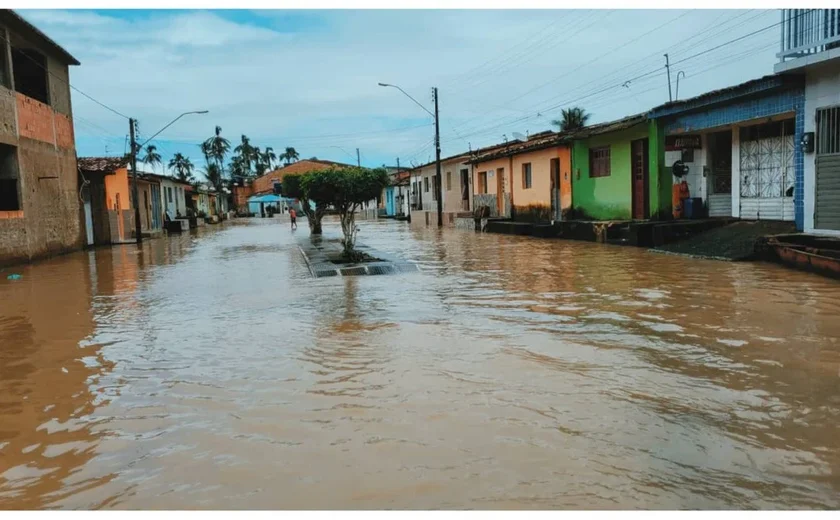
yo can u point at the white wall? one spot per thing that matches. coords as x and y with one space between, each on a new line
696 182
822 90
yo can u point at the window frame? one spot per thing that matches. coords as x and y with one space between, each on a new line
600 166
448 181
482 182
527 176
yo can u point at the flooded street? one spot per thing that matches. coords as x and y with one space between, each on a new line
210 371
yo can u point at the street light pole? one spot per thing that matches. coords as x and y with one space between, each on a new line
438 188
134 149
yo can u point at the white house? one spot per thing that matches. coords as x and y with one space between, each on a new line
810 46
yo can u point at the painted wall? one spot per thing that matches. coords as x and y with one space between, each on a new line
540 192
117 190
822 90
791 100
604 198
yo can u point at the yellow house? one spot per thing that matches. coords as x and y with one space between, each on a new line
526 180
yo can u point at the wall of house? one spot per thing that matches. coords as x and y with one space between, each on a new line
821 91
50 214
748 111
490 199
603 198
117 184
540 192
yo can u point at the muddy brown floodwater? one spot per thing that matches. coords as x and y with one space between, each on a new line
209 371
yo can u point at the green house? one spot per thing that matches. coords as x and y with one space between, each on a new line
617 171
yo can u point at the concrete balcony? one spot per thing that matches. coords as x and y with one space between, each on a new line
809 37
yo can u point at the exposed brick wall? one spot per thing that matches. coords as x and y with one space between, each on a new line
64 132
266 182
50 200
35 120
240 197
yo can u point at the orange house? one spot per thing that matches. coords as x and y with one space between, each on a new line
105 184
528 180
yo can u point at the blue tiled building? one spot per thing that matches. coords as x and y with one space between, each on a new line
741 146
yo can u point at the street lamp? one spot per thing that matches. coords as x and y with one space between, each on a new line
438 183
134 147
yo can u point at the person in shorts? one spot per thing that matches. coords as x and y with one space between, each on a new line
293 217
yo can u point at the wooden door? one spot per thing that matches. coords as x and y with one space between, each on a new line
639 174
500 190
555 189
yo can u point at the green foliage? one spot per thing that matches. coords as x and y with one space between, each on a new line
344 188
152 157
183 167
292 186
572 119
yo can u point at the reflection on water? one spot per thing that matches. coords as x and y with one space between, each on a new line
208 371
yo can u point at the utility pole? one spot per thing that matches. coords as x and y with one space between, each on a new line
139 236
438 188
358 158
668 69
402 201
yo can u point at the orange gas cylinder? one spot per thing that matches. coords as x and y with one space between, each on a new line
678 194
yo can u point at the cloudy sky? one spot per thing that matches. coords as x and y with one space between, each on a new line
308 79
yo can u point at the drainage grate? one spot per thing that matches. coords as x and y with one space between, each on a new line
323 273
354 271
380 269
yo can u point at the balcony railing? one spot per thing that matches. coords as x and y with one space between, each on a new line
809 31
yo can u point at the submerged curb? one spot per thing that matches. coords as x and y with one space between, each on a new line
316 255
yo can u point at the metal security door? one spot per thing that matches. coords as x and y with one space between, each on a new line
827 200
767 173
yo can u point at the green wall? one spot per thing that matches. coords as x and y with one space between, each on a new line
609 198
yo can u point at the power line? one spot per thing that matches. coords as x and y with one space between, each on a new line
633 79
33 60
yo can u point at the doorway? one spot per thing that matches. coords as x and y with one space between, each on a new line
555 188
720 180
639 175
500 190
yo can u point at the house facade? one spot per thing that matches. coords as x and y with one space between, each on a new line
617 171
739 144
534 177
151 209
810 48
40 210
173 193
108 217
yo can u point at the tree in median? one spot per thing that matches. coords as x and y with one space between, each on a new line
345 189
293 188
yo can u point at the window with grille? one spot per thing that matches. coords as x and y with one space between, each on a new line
599 162
526 176
828 131
426 184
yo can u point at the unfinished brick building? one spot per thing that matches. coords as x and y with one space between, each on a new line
40 211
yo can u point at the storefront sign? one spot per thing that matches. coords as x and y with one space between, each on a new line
682 142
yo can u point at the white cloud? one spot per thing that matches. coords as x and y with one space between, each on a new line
283 77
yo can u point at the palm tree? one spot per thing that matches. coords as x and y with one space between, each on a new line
216 148
246 151
269 157
152 157
183 167
290 155
214 176
572 119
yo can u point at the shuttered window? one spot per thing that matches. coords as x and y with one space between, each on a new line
599 162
